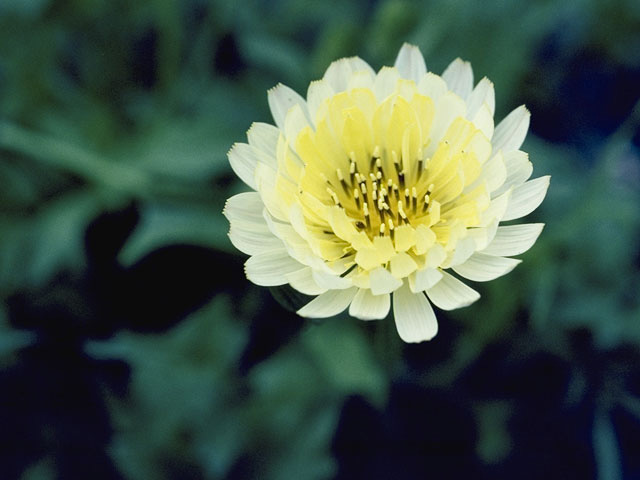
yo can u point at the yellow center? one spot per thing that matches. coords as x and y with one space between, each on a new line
382 183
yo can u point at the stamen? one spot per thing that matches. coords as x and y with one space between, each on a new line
407 197
333 195
349 270
381 212
401 179
400 212
342 181
396 191
367 219
356 196
402 217
426 203
352 171
379 166
382 229
396 161
391 229
414 199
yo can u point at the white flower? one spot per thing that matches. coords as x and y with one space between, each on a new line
378 185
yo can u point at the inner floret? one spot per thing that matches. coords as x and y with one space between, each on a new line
393 184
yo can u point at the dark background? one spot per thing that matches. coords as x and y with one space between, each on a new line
132 346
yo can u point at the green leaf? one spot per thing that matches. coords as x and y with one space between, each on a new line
605 448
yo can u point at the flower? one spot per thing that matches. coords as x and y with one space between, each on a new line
380 185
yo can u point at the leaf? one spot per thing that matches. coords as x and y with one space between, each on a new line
346 358
163 224
606 448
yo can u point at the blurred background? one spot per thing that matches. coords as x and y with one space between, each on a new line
132 346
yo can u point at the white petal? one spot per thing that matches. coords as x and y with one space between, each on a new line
339 72
281 99
482 268
526 198
414 316
463 250
317 93
363 79
302 281
483 120
435 256
252 239
328 304
493 175
514 239
245 207
410 63
402 265
331 281
459 77
483 94
483 236
519 169
294 122
249 232
264 137
424 279
448 108
244 160
432 85
496 209
511 131
450 293
385 82
367 306
382 281
270 268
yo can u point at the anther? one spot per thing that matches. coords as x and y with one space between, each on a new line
333 195
391 229
396 191
425 205
342 181
414 199
396 161
367 219
407 197
401 179
356 196
382 229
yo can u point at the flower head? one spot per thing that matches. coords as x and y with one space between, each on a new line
379 185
